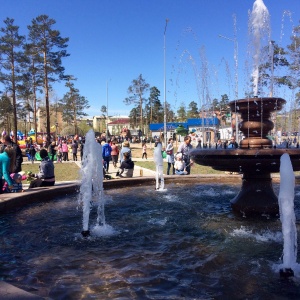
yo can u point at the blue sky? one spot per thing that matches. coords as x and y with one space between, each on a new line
113 41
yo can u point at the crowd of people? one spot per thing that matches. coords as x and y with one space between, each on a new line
11 159
113 150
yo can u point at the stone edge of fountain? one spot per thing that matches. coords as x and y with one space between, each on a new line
9 202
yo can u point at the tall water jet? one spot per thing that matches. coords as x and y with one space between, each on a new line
260 29
158 159
91 189
287 216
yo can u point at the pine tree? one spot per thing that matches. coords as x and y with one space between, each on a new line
12 58
73 105
193 110
136 91
33 81
181 112
49 44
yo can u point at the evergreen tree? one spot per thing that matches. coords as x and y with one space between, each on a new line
181 113
51 46
267 77
12 58
192 111
32 81
294 52
215 105
137 90
134 116
169 113
6 111
224 107
73 105
153 103
103 110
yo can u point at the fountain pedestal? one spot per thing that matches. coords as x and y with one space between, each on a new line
256 195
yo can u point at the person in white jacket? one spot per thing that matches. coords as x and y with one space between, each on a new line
180 166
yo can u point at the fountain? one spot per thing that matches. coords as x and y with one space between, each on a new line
256 158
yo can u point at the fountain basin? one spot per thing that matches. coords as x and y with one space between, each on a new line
184 243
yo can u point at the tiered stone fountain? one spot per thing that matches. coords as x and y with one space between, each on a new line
256 158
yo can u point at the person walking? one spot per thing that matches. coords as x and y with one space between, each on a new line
144 149
170 156
81 147
65 150
32 153
59 153
74 149
185 149
106 154
52 150
114 153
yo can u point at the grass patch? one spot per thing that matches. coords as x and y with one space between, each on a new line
63 172
195 169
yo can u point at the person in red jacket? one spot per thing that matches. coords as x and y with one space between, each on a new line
114 153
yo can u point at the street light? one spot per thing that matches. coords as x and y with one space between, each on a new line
234 40
165 105
106 110
25 127
56 125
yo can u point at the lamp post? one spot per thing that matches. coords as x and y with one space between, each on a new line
165 103
234 40
25 133
56 125
106 123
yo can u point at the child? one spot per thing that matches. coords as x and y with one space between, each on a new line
59 154
179 165
32 153
144 147
17 183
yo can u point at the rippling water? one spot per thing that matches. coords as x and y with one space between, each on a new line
181 244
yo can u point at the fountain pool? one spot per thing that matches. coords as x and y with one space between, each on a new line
183 244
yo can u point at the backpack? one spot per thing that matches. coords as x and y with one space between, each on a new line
106 151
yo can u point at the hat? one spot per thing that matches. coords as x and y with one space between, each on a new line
15 176
43 153
126 144
126 154
179 155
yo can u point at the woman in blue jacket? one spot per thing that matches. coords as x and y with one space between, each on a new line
7 163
